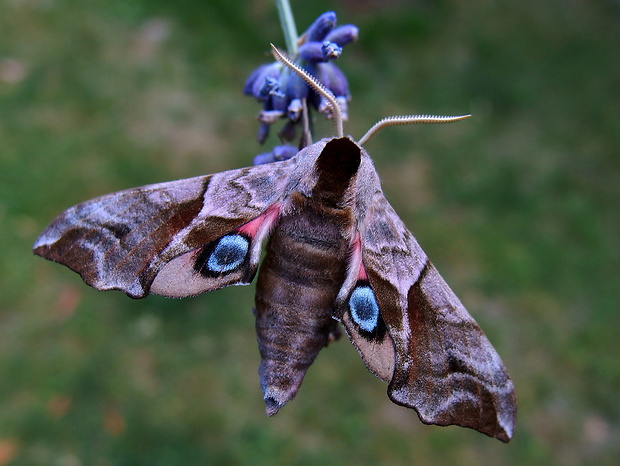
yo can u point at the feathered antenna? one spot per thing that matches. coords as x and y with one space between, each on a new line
317 86
337 113
407 120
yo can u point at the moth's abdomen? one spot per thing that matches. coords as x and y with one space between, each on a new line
297 285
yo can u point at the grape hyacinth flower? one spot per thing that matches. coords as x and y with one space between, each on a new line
278 154
284 94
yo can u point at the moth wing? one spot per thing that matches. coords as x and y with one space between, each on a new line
374 344
445 367
166 238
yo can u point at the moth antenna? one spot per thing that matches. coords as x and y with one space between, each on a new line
408 120
317 86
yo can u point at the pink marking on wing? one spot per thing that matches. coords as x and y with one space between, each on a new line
362 275
356 257
267 219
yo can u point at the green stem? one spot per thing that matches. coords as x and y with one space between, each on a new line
288 26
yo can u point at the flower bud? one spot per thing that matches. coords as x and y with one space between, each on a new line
260 79
343 35
316 51
320 28
278 154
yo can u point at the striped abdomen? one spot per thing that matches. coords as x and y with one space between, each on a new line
297 285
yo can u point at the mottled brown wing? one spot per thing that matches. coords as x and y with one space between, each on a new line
445 368
159 238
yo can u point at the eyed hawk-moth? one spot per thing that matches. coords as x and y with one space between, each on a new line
336 252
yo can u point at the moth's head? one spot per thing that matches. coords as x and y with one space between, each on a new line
337 118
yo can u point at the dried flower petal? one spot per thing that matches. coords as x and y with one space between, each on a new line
295 109
269 116
331 50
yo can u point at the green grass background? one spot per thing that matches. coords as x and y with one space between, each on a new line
517 207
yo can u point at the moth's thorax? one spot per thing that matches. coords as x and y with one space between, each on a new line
335 169
298 282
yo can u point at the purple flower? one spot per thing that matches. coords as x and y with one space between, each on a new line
282 93
317 52
320 28
262 81
343 35
334 79
279 153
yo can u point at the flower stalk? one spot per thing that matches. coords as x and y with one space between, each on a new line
289 29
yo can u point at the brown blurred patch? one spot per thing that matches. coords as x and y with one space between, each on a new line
8 450
596 430
146 44
12 71
59 405
114 422
66 303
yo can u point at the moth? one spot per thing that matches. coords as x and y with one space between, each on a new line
336 252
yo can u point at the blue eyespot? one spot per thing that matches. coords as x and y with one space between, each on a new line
229 253
364 308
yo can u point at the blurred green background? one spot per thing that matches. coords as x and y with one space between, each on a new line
517 207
